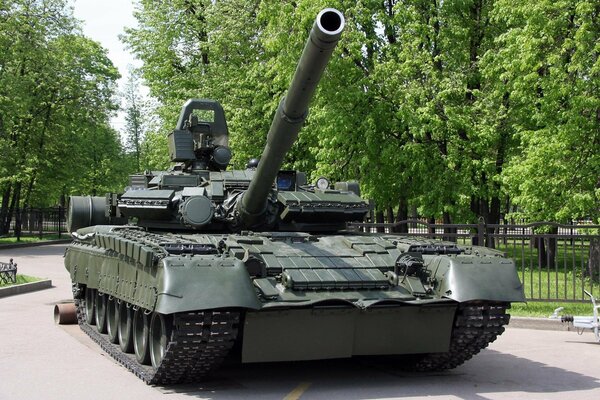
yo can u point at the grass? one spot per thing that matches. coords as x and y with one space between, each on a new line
557 285
31 239
545 309
565 279
22 279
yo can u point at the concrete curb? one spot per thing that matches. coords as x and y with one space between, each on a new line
34 244
538 323
25 288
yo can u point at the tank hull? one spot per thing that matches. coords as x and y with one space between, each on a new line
291 296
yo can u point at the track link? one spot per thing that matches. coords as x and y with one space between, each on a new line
475 326
199 342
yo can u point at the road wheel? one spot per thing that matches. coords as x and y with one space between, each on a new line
125 327
141 325
101 300
90 306
160 336
112 320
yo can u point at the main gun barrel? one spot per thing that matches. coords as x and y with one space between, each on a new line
292 111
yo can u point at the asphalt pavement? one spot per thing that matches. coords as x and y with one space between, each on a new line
41 360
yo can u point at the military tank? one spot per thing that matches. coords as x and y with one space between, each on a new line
193 264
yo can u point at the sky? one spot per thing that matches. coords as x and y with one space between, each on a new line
104 21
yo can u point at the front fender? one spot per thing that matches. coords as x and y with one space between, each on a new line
200 283
468 278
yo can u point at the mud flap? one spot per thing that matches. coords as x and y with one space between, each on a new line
480 278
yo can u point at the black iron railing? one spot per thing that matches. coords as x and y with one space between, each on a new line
40 222
556 262
8 272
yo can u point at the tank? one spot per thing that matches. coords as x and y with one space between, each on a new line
198 263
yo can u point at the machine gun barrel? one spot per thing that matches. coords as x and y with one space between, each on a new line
292 111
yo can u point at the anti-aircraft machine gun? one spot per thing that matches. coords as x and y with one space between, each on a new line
193 264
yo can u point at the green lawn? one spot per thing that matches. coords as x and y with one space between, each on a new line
545 309
566 278
31 239
22 279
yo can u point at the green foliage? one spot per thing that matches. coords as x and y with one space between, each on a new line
554 87
135 117
56 89
451 107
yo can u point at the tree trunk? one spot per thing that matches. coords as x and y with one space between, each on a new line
474 206
27 197
493 218
18 221
402 215
546 247
552 247
449 232
370 217
4 215
14 204
379 219
414 214
389 215
431 227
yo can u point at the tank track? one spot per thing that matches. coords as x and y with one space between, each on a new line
199 343
475 326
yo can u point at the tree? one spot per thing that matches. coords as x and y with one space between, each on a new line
55 96
439 105
549 66
179 62
135 116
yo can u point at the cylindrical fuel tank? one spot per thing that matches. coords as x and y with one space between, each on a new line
86 211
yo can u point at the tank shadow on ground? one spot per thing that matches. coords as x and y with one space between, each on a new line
375 377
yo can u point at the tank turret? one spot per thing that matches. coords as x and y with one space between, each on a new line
199 193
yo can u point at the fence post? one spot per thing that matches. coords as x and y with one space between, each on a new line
41 223
18 224
60 211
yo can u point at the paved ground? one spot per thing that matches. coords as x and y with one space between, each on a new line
40 360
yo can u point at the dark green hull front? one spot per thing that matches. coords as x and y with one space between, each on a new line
339 332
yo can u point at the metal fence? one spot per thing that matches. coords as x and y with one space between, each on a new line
40 222
556 262
8 273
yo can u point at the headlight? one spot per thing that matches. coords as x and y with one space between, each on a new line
322 183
